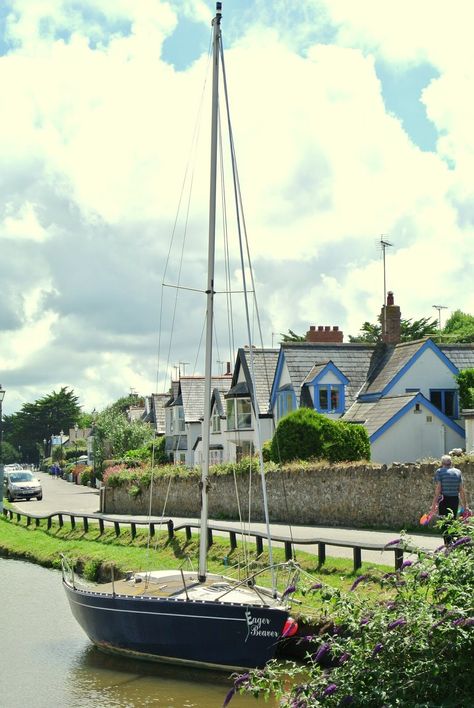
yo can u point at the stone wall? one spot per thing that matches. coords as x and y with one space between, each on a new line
355 496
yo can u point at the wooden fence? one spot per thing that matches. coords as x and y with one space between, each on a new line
289 543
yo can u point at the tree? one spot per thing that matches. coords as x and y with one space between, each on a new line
465 381
292 337
459 327
114 435
8 454
39 420
410 330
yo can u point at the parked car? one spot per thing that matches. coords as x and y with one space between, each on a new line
21 484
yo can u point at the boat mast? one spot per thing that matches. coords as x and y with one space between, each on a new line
206 437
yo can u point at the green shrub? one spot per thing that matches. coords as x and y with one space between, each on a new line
299 435
267 451
465 381
305 434
86 477
412 645
345 442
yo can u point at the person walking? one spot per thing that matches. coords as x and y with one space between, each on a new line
449 490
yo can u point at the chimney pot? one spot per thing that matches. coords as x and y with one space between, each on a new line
320 328
312 328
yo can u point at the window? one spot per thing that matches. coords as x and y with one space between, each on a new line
245 449
445 400
239 414
178 420
329 398
215 422
285 403
215 457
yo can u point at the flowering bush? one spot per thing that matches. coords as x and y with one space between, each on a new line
414 649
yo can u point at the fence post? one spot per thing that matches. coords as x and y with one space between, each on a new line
288 550
85 521
170 526
321 553
133 529
73 522
188 533
398 558
259 542
357 555
233 540
210 540
101 526
117 528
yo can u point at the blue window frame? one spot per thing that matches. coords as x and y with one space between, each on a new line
285 402
329 398
445 400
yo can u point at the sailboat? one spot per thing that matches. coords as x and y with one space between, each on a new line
183 617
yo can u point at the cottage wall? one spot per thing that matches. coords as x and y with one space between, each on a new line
355 496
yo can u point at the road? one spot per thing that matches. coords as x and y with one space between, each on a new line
59 495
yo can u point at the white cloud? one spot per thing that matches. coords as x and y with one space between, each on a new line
95 133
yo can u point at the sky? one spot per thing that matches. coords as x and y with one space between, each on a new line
352 122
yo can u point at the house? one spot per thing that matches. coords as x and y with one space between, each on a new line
322 373
405 394
184 412
240 417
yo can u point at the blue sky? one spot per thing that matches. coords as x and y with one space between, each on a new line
352 120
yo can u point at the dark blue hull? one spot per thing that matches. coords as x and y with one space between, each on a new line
219 635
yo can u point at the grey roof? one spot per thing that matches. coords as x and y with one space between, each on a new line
264 365
392 359
159 401
462 355
352 359
317 369
173 393
374 414
192 393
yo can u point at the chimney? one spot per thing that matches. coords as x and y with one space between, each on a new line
391 320
228 372
324 334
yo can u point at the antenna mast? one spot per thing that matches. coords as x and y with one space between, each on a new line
384 244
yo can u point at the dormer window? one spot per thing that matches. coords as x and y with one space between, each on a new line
215 421
329 398
325 384
239 414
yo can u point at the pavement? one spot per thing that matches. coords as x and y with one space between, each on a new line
59 495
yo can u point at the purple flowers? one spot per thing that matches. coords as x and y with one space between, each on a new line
364 620
424 575
332 688
464 622
393 543
322 651
344 657
397 623
406 564
377 649
228 698
289 590
357 581
316 586
241 680
460 542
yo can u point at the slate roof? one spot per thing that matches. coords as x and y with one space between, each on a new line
158 410
192 393
391 359
374 414
264 365
462 355
352 359
315 371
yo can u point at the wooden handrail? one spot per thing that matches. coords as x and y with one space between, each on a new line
260 537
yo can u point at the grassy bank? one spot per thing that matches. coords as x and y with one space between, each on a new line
95 555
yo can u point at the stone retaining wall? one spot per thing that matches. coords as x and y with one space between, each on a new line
356 496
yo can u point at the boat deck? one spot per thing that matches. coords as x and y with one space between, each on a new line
166 584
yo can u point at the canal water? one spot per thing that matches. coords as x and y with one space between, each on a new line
47 660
